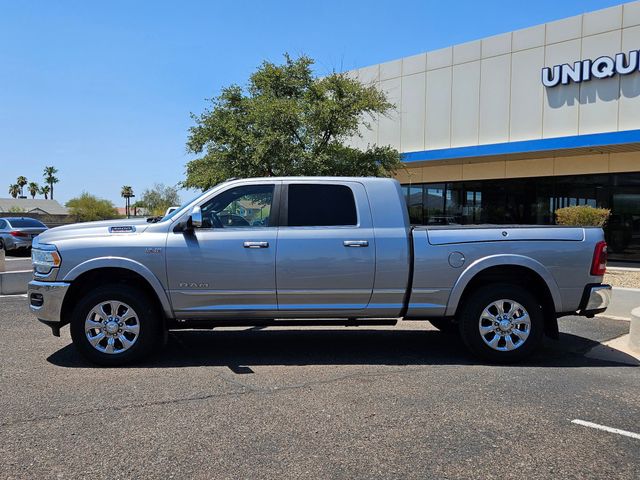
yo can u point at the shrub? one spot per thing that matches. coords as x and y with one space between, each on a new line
88 208
582 216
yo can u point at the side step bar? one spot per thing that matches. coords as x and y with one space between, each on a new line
272 322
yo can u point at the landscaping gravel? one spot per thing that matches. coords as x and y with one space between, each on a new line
623 278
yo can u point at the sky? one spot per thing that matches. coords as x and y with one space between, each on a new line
103 90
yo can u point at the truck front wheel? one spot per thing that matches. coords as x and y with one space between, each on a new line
115 325
502 323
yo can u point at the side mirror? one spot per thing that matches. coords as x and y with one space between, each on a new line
195 219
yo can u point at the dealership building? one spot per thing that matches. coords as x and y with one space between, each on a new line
509 128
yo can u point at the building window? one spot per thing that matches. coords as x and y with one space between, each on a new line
413 195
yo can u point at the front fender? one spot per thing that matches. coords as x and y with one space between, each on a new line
498 261
128 264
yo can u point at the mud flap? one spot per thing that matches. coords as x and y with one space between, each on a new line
551 329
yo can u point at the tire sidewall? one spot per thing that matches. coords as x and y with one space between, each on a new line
483 297
147 317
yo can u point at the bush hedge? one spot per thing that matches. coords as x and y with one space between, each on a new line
582 216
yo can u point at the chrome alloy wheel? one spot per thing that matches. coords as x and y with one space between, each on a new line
504 325
112 327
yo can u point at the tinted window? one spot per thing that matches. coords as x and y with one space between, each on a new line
321 205
25 223
246 206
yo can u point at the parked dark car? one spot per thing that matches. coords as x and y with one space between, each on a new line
17 233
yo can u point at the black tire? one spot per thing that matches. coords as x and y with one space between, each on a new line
445 325
148 320
474 306
1 244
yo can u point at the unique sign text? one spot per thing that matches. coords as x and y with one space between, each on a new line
585 70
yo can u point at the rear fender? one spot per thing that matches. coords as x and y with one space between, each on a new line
496 261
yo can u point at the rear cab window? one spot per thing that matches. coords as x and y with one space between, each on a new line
320 205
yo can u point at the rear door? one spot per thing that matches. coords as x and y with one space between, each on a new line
325 261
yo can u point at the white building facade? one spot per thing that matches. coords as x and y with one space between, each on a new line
509 128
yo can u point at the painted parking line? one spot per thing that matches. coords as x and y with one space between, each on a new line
606 429
17 295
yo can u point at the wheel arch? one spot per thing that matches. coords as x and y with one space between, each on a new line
103 271
512 269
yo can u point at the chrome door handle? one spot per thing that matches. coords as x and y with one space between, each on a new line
356 243
256 244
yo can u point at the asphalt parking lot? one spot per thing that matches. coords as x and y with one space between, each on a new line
325 403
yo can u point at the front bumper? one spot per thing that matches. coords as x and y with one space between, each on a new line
45 301
595 300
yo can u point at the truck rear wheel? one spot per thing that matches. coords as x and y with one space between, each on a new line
502 323
115 325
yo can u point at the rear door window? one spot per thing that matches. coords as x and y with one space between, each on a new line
321 205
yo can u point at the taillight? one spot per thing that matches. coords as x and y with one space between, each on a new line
599 264
18 234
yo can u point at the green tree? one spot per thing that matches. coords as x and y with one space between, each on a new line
50 177
14 190
288 122
21 182
44 190
158 198
87 208
126 192
33 188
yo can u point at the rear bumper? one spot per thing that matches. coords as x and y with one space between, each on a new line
14 243
45 301
595 300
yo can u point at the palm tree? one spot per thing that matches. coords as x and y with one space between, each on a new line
44 190
127 192
21 182
14 190
50 178
34 188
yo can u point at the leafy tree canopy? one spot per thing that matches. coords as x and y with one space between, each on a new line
288 122
88 208
158 198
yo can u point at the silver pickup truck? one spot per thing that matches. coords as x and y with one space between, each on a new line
309 251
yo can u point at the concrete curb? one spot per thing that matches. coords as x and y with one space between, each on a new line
623 300
12 283
616 350
634 330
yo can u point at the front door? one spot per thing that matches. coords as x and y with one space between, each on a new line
227 267
325 261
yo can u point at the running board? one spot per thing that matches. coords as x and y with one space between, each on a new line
328 322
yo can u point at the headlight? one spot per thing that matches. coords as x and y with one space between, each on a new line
44 258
